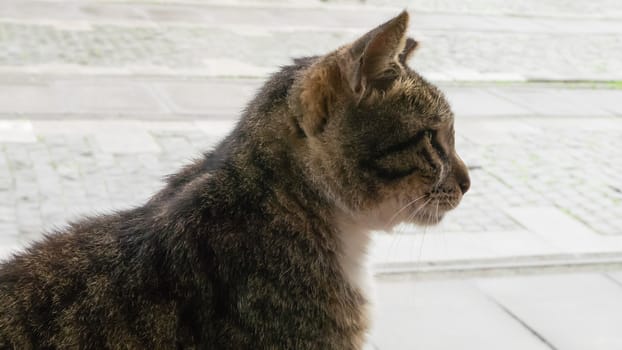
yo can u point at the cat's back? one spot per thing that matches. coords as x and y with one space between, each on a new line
78 289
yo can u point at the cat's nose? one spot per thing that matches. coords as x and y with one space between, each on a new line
465 184
461 174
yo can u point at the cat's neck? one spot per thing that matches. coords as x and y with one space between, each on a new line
354 240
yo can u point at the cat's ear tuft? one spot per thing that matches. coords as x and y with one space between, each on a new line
409 48
372 55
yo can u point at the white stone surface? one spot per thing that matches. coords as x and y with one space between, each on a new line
215 130
216 127
551 103
7 250
90 127
107 96
230 67
216 98
477 102
617 276
127 142
440 247
562 231
443 315
573 312
31 98
16 131
487 132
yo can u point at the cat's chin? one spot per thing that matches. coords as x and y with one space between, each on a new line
428 218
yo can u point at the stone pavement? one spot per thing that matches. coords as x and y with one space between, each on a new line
229 38
101 99
533 312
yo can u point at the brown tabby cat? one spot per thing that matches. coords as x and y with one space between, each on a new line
260 244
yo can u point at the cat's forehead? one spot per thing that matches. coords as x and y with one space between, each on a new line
411 95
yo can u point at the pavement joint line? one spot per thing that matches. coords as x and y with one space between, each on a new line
520 321
609 277
13 74
164 99
232 114
222 114
261 73
73 70
117 115
498 266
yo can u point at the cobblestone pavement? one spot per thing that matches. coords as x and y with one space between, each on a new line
230 40
537 8
575 168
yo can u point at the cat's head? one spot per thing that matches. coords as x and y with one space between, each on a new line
378 139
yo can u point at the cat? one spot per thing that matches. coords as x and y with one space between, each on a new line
261 243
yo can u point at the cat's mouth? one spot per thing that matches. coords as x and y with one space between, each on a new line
428 216
434 209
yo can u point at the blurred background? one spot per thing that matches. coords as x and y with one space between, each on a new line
100 99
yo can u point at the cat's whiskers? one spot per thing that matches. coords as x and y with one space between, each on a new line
437 205
428 221
402 209
415 212
452 206
397 236
412 216
442 229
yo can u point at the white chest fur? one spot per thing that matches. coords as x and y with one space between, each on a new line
352 255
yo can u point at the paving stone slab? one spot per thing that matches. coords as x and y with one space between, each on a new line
30 98
467 102
435 245
213 99
443 315
96 96
553 103
127 142
562 231
216 126
608 100
572 312
500 132
617 276
218 98
16 132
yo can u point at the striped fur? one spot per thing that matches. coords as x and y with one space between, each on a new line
261 243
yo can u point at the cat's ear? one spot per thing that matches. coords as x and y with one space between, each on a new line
371 57
409 48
